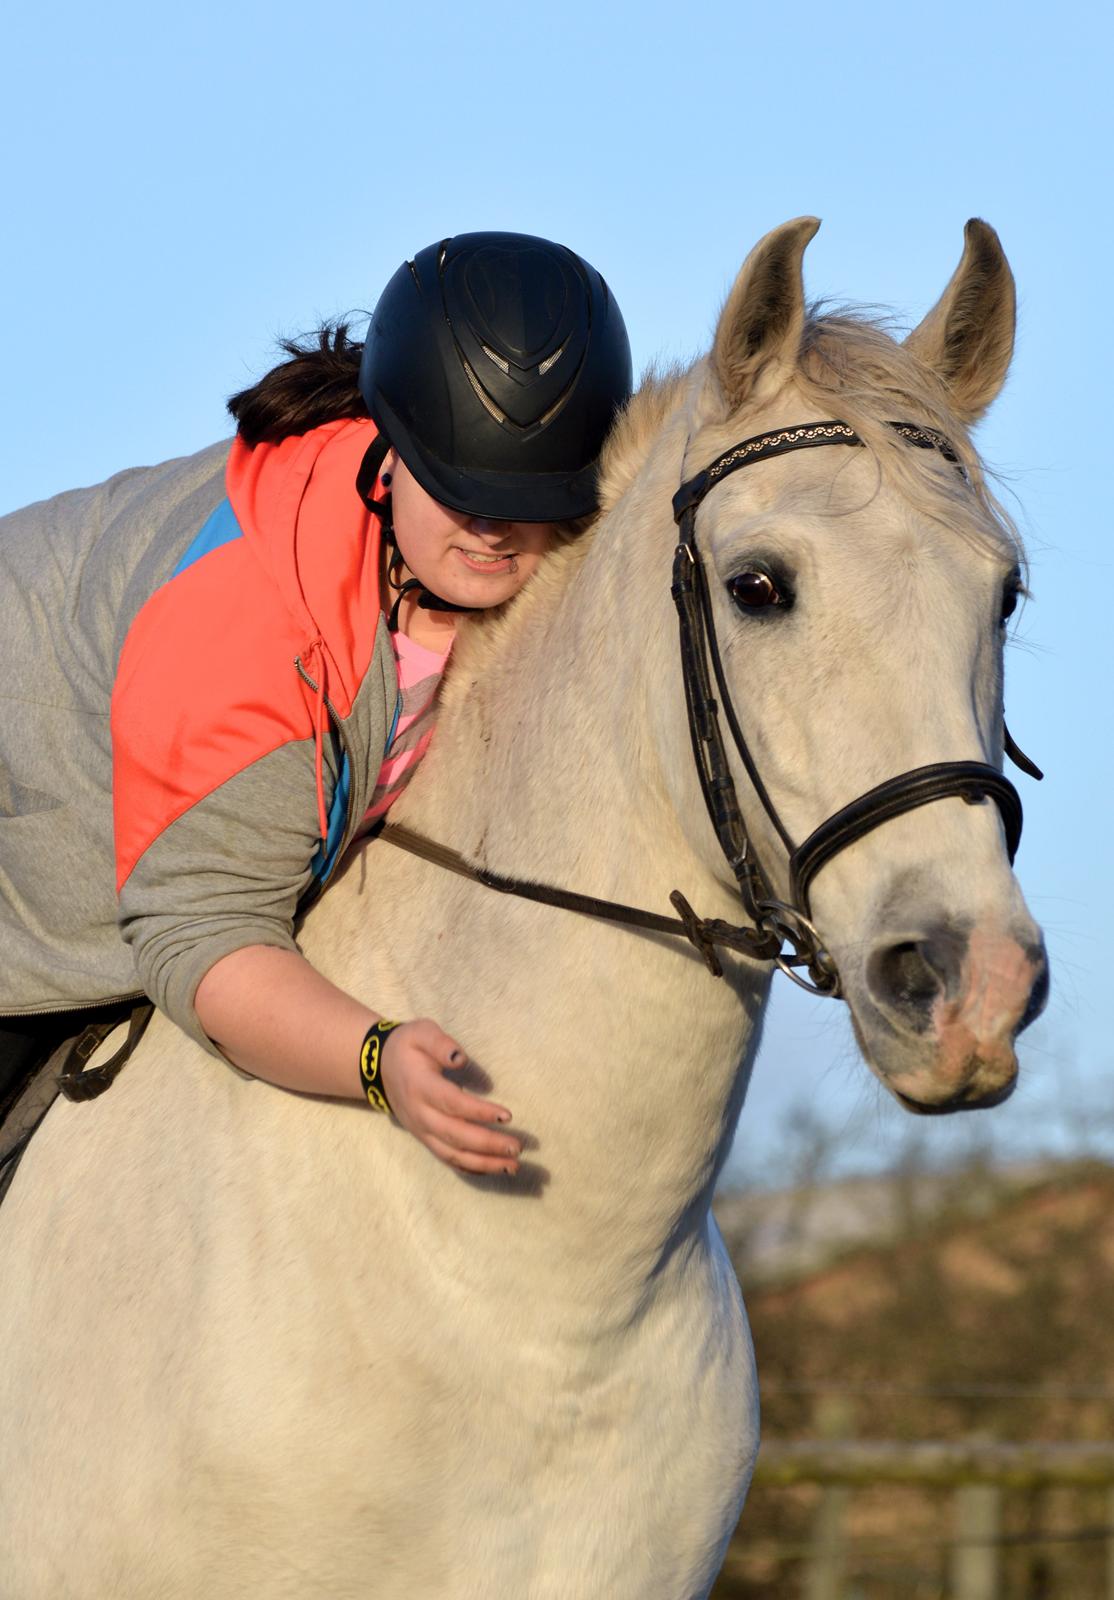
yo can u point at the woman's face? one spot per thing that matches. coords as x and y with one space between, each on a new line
471 561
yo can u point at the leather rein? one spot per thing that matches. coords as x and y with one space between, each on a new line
782 932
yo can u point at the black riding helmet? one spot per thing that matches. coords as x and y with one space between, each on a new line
495 363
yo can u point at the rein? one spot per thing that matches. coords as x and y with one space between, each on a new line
782 932
705 934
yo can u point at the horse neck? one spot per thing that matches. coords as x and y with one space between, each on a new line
546 766
542 765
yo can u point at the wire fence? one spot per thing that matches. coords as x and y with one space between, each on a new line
970 1391
972 1482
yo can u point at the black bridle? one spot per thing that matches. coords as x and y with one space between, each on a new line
782 931
789 923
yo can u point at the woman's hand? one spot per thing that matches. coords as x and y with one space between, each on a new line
445 1118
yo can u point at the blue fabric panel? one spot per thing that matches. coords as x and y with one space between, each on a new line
220 528
394 726
324 857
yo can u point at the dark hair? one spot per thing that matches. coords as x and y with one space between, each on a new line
320 383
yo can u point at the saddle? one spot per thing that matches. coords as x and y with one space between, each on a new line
66 1069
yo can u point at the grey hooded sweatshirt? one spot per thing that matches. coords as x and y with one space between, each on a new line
231 867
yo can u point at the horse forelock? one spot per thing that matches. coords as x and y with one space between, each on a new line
854 367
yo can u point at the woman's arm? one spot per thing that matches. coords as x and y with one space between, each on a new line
276 1017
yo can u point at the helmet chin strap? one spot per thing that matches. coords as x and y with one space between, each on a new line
367 480
426 599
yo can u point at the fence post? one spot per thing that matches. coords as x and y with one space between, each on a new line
974 1563
828 1546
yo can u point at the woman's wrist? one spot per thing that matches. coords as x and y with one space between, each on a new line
372 1052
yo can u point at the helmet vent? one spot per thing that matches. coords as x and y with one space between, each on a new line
501 363
549 415
551 361
482 395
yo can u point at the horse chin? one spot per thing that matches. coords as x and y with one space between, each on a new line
963 1101
938 1074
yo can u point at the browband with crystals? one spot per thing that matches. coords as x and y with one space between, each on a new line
802 437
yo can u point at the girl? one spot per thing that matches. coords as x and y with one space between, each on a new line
242 649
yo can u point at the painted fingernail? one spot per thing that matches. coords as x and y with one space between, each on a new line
512 1152
509 1171
457 1058
504 1116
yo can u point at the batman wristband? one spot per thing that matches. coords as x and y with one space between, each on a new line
371 1064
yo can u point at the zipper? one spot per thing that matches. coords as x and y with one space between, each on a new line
329 706
74 1005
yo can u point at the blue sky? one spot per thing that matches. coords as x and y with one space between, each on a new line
184 185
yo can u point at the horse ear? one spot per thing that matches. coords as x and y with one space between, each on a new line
967 337
759 333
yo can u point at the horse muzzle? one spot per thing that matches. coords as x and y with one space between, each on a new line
943 1012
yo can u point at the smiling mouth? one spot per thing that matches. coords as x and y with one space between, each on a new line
486 559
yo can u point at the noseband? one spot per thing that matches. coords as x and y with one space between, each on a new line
782 931
776 922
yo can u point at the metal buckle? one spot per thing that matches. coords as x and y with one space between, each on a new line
792 927
696 933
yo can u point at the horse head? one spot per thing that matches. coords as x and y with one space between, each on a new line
860 598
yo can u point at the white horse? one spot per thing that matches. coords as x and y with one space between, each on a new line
254 1343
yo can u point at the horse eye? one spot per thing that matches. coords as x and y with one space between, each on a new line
753 590
1009 603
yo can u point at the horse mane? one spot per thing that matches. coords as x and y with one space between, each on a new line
852 365
637 427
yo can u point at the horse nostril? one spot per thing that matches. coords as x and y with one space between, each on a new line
910 976
906 975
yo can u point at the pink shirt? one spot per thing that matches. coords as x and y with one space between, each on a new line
419 673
